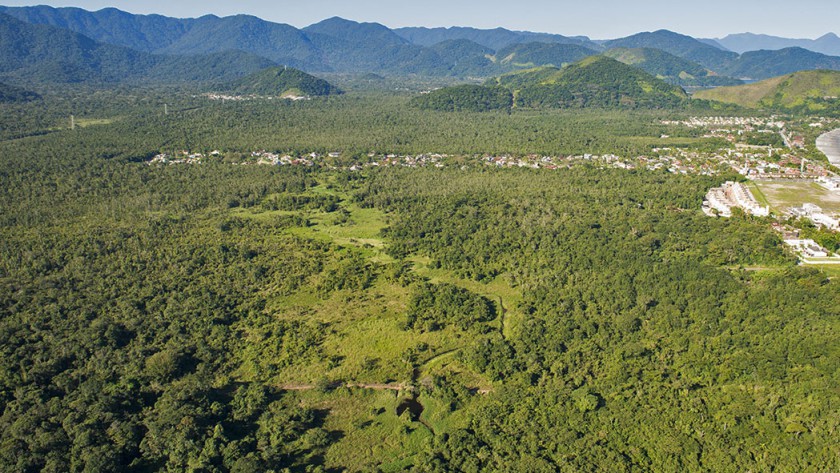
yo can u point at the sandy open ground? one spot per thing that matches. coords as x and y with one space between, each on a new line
785 193
829 144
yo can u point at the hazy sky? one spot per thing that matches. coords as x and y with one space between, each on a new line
598 19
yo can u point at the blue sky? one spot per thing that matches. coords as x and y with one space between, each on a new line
599 19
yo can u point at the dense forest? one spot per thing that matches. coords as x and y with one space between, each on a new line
225 317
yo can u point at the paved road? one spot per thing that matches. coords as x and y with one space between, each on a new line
829 144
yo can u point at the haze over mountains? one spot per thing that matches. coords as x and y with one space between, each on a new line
61 45
740 43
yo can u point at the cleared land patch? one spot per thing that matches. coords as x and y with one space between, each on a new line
784 194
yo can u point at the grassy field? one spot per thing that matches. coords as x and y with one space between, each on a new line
364 340
784 194
368 428
757 193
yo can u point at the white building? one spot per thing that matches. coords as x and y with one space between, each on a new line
732 194
808 248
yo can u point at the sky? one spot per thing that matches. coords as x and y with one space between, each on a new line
598 19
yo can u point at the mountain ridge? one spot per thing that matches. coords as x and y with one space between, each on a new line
345 46
828 44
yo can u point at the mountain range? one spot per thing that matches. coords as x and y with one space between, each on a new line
740 43
59 45
42 53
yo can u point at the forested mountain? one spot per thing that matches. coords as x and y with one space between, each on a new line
12 94
200 68
147 33
714 43
41 53
766 64
281 81
679 45
806 91
828 44
46 53
370 47
495 39
280 43
670 68
467 57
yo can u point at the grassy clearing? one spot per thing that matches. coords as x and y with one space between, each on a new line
784 194
830 270
85 122
497 290
369 428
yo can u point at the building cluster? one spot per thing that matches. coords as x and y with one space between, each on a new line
721 200
184 157
264 158
245 98
807 248
815 214
831 183
742 123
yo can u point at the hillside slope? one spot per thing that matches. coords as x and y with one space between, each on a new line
542 54
12 94
495 39
672 69
596 81
46 54
767 64
808 91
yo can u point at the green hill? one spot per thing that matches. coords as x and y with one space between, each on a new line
12 94
596 81
281 81
807 91
670 68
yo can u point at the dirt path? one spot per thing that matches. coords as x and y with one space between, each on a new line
374 386
502 314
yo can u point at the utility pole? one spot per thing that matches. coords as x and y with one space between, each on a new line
166 109
72 122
